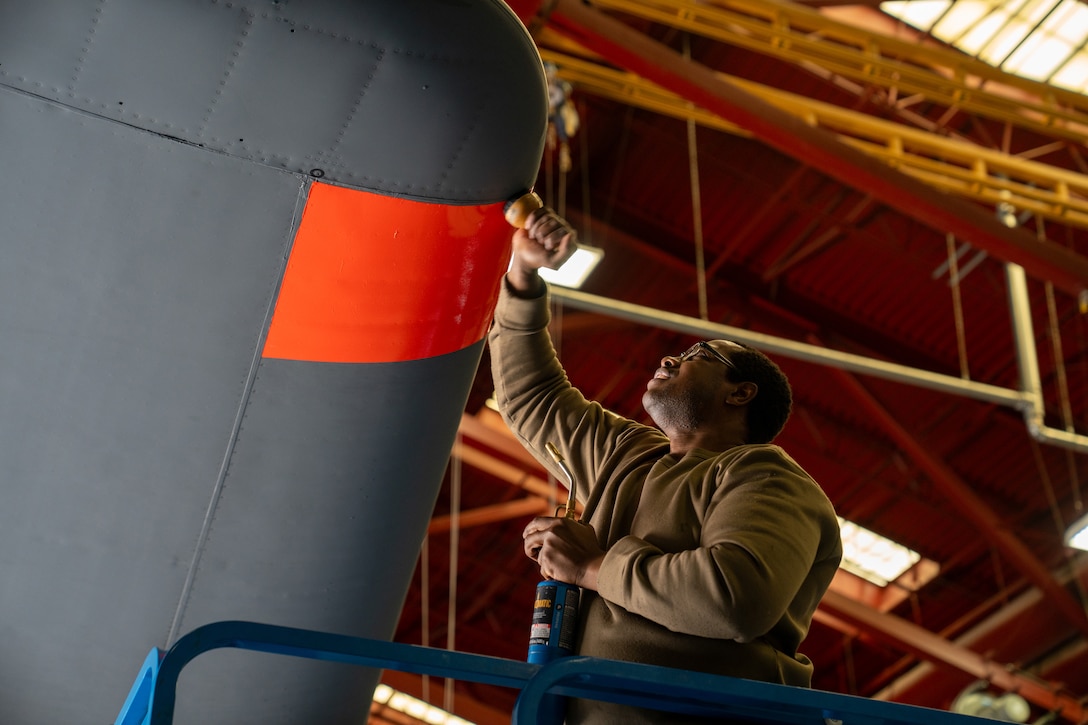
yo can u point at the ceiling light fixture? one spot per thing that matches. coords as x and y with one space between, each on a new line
575 270
1006 214
414 707
975 700
1076 535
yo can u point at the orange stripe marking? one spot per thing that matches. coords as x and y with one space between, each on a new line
373 278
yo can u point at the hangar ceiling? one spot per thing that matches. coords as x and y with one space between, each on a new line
850 194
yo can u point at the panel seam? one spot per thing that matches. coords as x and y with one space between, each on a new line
243 404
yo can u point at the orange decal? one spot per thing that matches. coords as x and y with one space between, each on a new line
373 278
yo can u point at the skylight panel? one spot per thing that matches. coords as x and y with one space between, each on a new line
919 13
994 35
873 557
1074 74
1072 26
1038 58
960 18
1042 40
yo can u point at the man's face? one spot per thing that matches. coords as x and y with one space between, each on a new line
686 388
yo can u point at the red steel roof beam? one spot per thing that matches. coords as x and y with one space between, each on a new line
630 49
928 646
970 506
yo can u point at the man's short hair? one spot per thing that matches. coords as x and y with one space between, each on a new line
770 409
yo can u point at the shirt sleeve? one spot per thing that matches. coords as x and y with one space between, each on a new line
766 525
536 399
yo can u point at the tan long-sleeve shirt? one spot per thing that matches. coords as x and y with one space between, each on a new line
715 560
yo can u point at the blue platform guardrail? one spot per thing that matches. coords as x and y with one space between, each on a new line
153 695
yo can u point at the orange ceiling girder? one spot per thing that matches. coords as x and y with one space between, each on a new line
528 506
926 645
970 506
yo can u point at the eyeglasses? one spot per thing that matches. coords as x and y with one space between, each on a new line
707 348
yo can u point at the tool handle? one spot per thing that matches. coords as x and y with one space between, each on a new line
572 499
517 210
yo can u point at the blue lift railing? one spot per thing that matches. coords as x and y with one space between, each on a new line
152 697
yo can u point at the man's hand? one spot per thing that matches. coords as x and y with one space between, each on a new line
567 550
546 241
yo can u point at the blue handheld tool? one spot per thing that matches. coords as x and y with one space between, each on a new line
555 613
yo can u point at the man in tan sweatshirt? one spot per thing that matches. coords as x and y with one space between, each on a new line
702 546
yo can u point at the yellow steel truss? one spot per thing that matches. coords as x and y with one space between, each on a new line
953 165
805 36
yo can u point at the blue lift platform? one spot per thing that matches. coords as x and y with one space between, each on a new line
152 697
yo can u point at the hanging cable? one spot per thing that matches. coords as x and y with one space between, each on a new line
957 305
1056 340
696 201
848 664
563 122
587 212
548 195
1063 390
1062 374
1059 358
1048 487
999 575
561 193
1059 523
455 537
425 605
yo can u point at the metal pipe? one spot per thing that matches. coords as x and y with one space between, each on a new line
1028 360
571 486
1029 400
795 350
1024 344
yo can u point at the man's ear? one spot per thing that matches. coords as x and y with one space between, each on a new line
742 394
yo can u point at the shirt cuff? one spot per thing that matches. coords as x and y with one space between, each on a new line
522 313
